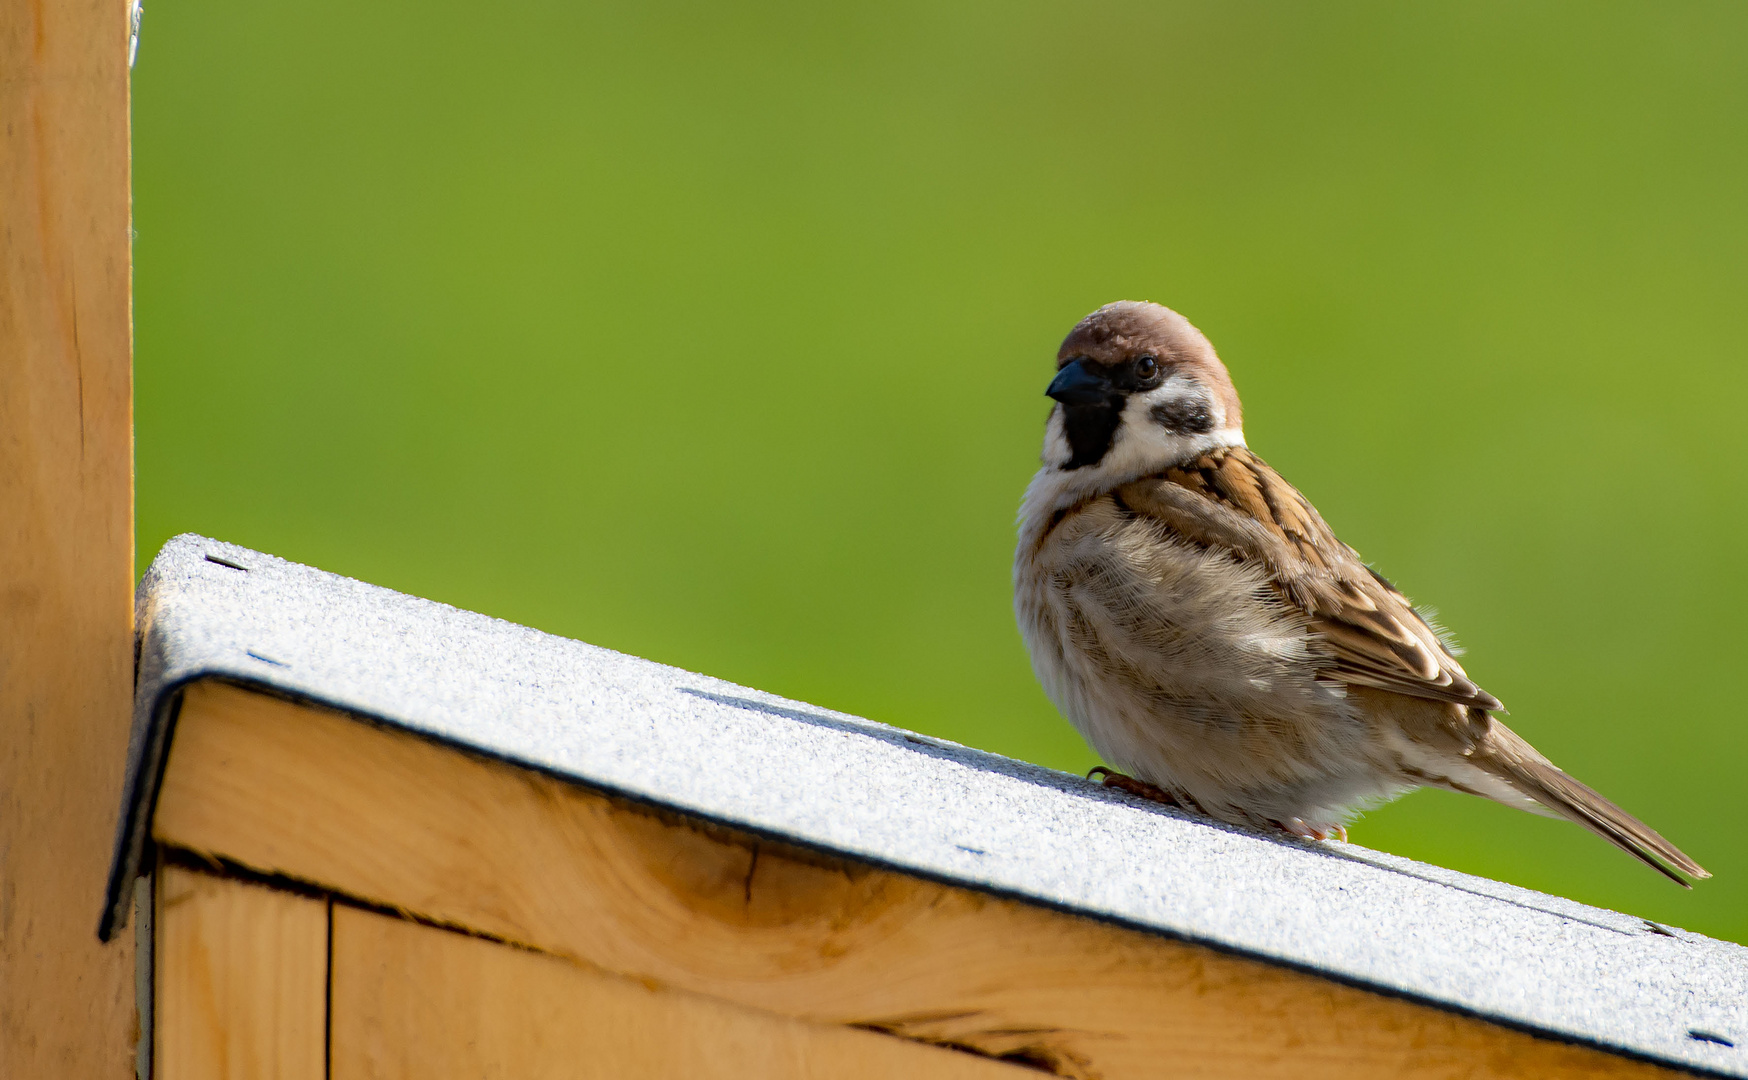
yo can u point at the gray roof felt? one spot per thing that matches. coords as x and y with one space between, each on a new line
862 789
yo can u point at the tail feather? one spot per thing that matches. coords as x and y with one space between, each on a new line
1510 757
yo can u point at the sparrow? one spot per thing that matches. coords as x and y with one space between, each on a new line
1198 622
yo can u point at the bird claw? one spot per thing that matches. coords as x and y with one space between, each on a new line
1298 827
1139 788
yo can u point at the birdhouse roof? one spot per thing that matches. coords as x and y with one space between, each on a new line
859 789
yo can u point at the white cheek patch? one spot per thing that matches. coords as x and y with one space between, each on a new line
1179 406
1056 448
1144 445
1141 445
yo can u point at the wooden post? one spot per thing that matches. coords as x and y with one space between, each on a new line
66 531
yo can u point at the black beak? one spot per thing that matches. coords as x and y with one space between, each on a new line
1075 385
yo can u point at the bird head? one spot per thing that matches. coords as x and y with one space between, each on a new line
1138 387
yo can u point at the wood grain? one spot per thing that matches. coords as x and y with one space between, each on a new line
418 1002
242 980
407 824
66 532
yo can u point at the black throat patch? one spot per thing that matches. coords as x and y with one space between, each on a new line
1090 430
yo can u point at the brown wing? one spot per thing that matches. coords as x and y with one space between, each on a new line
1231 498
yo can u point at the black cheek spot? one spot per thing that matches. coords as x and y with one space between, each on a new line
1184 416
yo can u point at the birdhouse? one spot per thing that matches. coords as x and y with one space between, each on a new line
368 835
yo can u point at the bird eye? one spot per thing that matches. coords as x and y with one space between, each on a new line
1146 367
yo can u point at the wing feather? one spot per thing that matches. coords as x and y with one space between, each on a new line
1371 634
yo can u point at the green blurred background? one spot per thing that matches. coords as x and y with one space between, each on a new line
720 337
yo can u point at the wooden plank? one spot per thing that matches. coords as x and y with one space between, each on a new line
407 824
66 532
242 980
415 1001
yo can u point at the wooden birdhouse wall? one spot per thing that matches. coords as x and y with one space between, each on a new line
339 900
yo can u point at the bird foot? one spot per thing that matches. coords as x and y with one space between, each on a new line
1299 828
1140 788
